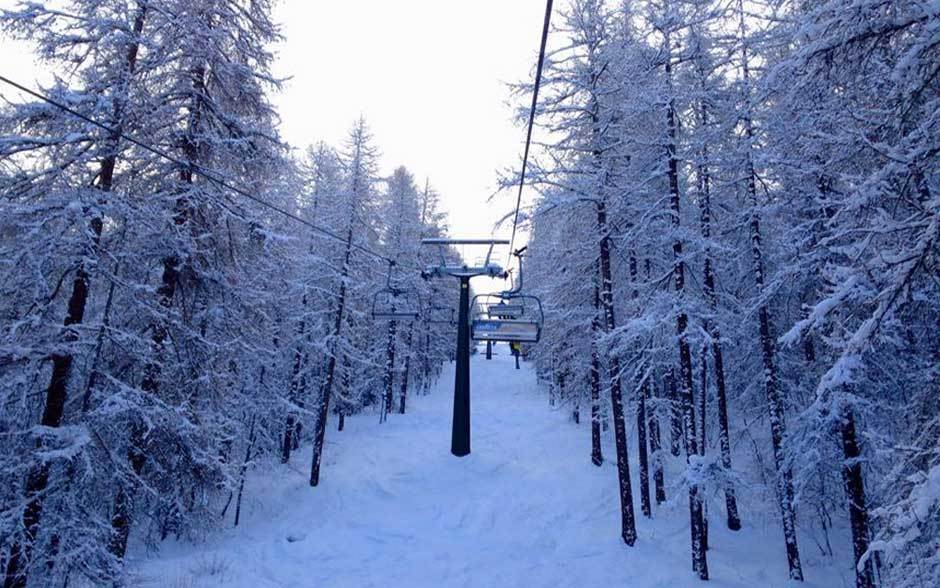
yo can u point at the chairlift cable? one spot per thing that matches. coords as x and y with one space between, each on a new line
528 139
205 173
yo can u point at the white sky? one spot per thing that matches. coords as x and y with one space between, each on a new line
429 76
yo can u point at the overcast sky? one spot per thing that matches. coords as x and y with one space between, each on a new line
429 76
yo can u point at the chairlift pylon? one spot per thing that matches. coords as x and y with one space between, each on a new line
460 432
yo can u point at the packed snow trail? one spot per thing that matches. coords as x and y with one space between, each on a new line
526 508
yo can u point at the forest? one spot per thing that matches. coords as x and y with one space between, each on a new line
733 227
740 204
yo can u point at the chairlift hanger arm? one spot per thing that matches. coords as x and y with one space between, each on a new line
444 269
516 289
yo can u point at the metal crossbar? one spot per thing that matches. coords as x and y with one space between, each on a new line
445 241
464 270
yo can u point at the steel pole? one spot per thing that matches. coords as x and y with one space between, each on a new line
460 434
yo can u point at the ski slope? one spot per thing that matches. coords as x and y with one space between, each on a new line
526 508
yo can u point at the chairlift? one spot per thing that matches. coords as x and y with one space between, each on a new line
500 318
394 303
505 309
441 315
510 316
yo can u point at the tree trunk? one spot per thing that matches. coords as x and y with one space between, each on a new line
641 421
771 384
775 404
389 379
628 523
675 413
403 395
702 400
642 381
597 456
724 443
295 384
655 439
426 364
699 557
323 402
777 428
99 344
855 494
656 445
242 472
346 387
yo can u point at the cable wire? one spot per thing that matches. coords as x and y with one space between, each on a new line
528 138
207 174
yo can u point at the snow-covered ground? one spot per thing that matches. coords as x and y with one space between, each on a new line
526 508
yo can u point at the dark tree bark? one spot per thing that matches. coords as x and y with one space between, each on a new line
242 472
389 379
775 403
403 391
675 413
323 403
99 344
426 364
701 403
708 286
777 428
597 456
289 442
656 445
346 390
854 484
641 420
553 383
642 382
628 522
699 556
655 439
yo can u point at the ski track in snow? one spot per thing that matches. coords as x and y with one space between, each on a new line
526 508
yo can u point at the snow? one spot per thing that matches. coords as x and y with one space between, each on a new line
526 508
927 496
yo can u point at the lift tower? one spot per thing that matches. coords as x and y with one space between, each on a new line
460 433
